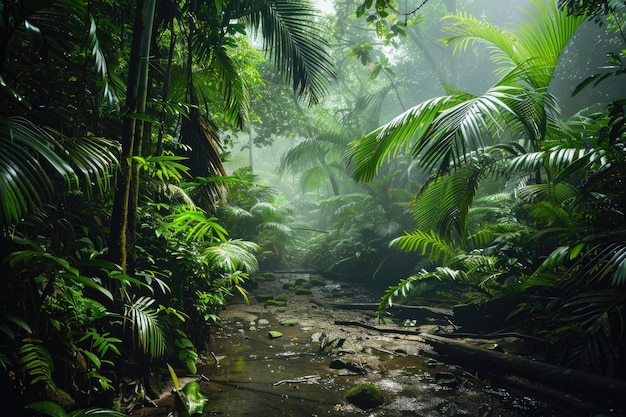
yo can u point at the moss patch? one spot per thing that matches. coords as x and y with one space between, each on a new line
365 395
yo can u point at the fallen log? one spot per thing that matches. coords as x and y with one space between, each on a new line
591 385
377 329
420 313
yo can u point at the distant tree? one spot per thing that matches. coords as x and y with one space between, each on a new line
595 9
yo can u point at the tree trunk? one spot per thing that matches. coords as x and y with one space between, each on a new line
123 216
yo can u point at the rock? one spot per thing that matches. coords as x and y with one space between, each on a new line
302 291
352 367
263 322
263 297
281 297
273 334
316 337
446 379
365 395
289 322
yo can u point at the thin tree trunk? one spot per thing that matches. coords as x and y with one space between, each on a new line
123 216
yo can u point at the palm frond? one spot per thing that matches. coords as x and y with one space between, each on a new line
555 193
195 225
402 291
289 32
34 159
232 86
443 204
366 154
148 335
268 211
282 231
233 255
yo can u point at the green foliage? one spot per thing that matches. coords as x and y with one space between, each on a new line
189 401
51 409
35 361
427 244
146 328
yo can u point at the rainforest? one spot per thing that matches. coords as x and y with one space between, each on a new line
306 207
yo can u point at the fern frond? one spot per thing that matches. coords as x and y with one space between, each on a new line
35 360
427 244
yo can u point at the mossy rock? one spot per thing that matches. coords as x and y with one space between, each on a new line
336 294
269 276
263 297
302 291
257 278
365 395
281 309
275 303
287 286
273 334
289 322
317 282
281 297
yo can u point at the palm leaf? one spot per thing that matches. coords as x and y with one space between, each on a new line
290 33
233 255
147 332
33 159
443 204
368 153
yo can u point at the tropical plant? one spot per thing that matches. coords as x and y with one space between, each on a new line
570 280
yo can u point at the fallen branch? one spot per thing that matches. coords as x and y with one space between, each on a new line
299 380
377 329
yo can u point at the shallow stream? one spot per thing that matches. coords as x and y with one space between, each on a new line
252 374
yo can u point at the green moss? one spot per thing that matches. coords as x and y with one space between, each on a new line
263 297
269 276
281 297
365 395
302 291
289 322
275 303
317 282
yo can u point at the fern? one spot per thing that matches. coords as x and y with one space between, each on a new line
35 360
427 244
103 343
